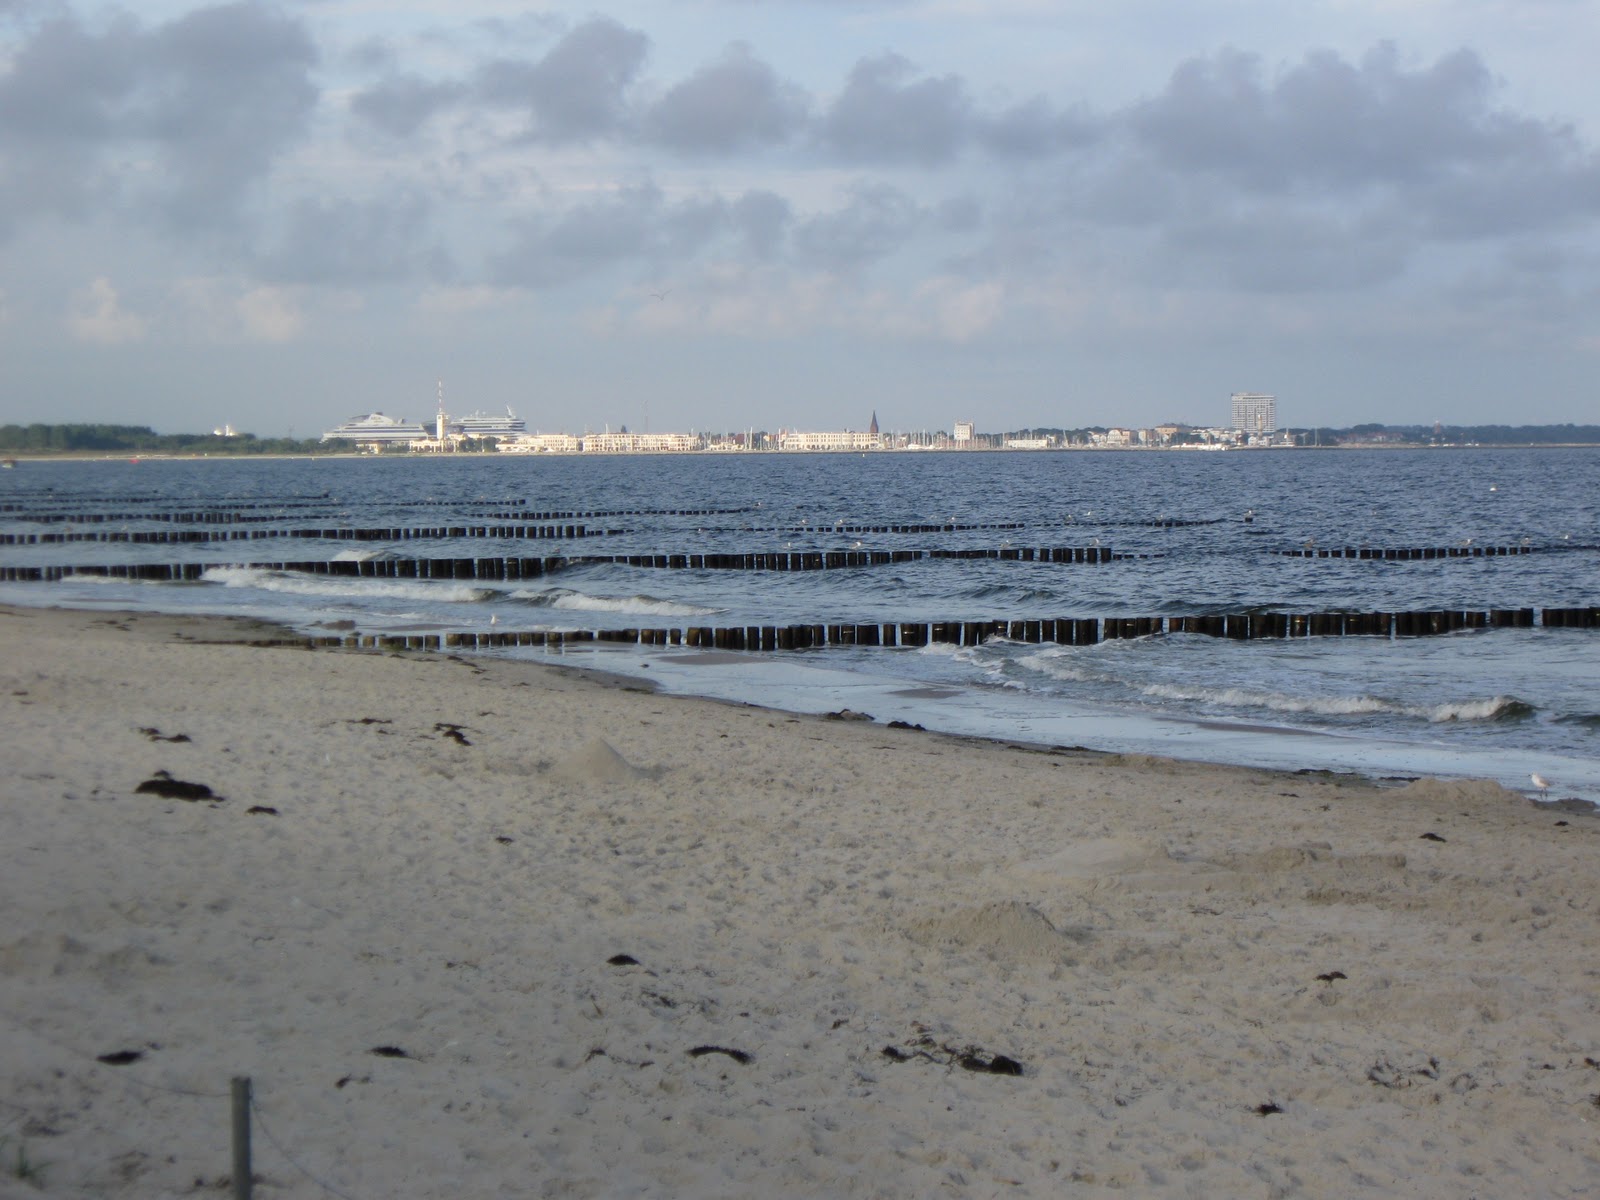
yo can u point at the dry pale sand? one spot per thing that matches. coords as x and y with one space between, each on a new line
617 944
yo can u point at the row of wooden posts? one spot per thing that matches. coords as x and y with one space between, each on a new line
161 537
1405 553
504 569
245 514
1065 631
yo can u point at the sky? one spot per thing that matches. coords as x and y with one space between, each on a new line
714 215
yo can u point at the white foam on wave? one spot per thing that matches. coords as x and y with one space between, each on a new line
441 591
1059 666
1478 710
357 555
565 598
1234 697
1492 709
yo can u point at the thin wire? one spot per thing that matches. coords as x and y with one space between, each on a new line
161 1087
278 1146
117 1074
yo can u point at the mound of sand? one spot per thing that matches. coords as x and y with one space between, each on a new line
1006 929
597 761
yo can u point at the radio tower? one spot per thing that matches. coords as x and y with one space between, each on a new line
439 424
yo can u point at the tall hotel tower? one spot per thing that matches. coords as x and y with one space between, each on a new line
1255 412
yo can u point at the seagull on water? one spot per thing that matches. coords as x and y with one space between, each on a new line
1540 782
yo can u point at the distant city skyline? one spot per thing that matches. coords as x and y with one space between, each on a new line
707 214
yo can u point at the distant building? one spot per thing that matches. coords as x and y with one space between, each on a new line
541 443
963 433
639 443
1255 412
833 439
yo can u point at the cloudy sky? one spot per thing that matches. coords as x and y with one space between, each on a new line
714 214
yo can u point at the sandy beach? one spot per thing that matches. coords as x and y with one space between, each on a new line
477 928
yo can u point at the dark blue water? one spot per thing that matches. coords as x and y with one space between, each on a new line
1195 533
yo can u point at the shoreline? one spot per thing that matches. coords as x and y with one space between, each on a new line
817 688
124 457
473 926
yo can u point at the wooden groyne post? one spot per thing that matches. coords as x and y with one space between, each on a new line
241 1137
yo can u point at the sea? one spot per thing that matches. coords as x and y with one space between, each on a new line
950 537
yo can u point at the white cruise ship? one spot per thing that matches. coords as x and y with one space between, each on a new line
375 427
481 424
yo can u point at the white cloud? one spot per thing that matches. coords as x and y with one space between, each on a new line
963 311
463 299
270 314
97 315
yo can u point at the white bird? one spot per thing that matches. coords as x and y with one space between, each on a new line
494 619
1540 782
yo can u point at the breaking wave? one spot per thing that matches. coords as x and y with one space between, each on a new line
1496 708
650 606
294 584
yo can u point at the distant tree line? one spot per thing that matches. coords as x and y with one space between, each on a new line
68 439
1495 435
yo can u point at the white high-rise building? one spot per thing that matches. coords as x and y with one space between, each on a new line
1255 412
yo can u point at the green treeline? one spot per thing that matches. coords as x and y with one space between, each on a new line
1487 435
70 439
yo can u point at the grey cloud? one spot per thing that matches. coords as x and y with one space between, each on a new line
576 92
762 219
402 104
348 243
216 94
732 104
1373 125
1277 250
1034 129
583 90
61 104
960 214
638 226
684 229
230 89
885 115
630 226
876 222
1331 174
373 55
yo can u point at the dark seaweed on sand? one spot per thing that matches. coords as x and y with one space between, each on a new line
163 784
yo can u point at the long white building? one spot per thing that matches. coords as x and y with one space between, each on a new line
639 443
833 439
